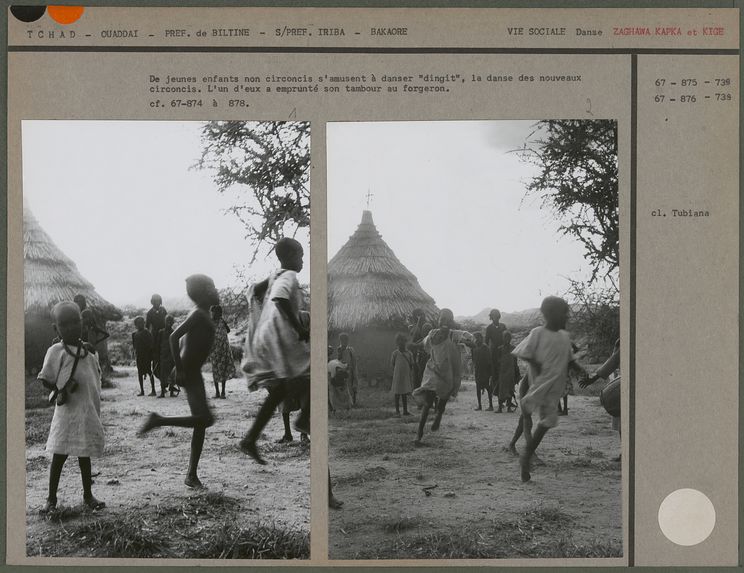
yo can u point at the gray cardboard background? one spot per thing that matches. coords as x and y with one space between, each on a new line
615 104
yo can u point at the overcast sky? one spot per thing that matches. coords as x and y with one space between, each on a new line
119 198
449 200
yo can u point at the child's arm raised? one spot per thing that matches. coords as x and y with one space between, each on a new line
173 340
286 309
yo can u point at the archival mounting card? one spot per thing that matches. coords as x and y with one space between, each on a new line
456 204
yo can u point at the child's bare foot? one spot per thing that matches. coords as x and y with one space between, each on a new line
153 393
418 443
150 423
511 449
334 503
478 408
285 439
193 482
524 467
489 409
141 394
407 414
435 424
50 506
93 503
223 396
248 447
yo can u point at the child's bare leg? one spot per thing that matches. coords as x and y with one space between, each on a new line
55 471
397 404
216 389
517 434
524 459
422 421
490 399
222 395
404 397
152 385
85 473
565 404
478 392
302 421
287 437
201 416
441 404
248 443
197 444
141 378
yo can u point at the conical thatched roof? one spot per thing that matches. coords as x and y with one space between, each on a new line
50 276
369 286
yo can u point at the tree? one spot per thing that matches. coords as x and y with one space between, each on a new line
578 181
269 164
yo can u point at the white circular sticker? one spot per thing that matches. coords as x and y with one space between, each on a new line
687 517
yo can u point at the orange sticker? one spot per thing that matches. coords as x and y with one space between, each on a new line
65 14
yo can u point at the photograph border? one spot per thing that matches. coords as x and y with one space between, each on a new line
631 263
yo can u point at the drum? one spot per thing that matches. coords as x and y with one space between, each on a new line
609 397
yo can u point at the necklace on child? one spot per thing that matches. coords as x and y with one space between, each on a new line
81 351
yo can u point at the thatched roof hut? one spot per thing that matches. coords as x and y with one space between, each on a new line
50 276
371 294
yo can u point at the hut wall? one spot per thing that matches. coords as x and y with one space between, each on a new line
373 348
39 334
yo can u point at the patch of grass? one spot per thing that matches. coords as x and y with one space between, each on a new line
36 395
64 513
127 535
37 463
368 442
400 524
107 384
367 474
257 542
37 425
540 532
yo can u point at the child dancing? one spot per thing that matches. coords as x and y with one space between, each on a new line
547 350
442 375
198 331
277 352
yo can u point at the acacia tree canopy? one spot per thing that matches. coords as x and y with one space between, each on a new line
578 181
268 164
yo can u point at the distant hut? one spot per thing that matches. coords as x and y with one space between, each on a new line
371 295
50 277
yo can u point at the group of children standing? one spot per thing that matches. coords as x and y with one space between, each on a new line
154 356
277 358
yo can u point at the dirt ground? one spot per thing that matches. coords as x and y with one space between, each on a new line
247 511
478 506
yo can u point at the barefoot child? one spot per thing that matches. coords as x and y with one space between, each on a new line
482 370
155 323
442 375
76 428
403 372
347 355
508 373
223 365
547 350
198 332
277 354
167 377
143 347
339 396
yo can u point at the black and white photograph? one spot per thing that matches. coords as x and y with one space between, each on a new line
474 340
166 308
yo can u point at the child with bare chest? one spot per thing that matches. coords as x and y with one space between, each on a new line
198 334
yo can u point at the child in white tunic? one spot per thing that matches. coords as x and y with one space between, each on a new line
76 428
547 350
